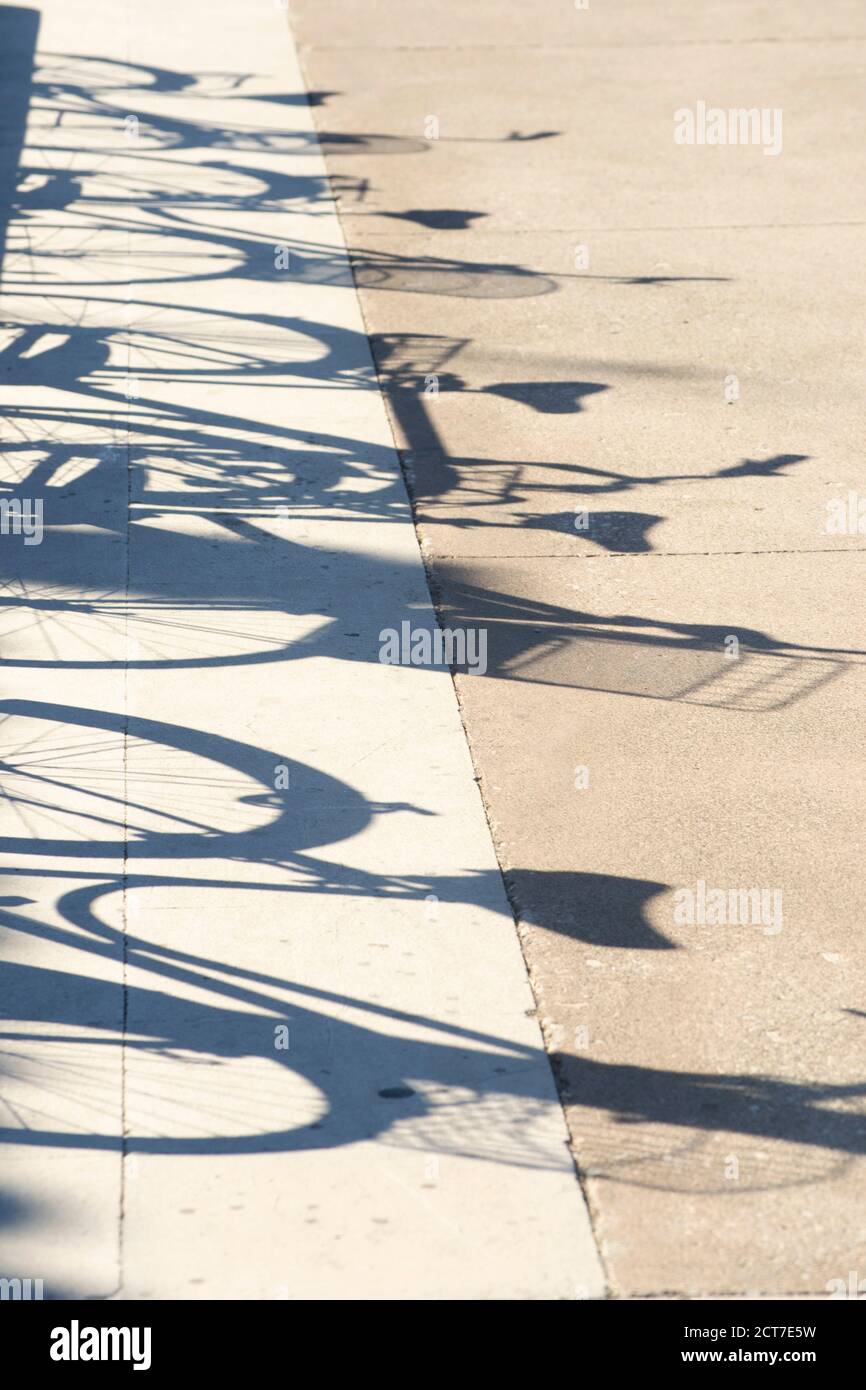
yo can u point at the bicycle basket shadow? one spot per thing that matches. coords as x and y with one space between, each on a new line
756 681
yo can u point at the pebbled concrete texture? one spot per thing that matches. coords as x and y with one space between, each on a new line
624 379
269 1032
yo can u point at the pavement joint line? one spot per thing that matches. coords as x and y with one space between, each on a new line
586 228
576 47
640 554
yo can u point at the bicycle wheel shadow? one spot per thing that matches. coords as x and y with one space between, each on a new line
226 1058
195 1069
221 1058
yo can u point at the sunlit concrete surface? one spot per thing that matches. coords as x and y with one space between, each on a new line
649 360
268 1031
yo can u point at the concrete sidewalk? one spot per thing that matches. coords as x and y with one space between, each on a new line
626 375
269 1032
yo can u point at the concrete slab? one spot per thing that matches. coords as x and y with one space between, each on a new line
573 314
712 1068
582 140
374 25
247 871
738 440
